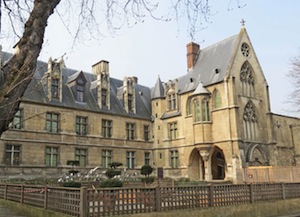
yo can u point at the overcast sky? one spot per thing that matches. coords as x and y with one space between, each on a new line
155 48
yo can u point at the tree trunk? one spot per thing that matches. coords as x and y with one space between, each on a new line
19 70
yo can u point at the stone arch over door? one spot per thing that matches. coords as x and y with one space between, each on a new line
196 169
218 164
256 156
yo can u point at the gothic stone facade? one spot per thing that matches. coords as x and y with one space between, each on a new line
204 125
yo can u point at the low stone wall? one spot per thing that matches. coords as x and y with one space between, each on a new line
265 209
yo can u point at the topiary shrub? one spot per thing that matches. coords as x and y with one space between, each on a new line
110 183
72 184
146 170
110 173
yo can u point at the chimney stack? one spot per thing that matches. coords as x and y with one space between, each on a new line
192 53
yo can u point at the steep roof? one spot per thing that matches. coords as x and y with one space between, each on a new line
36 92
158 90
210 66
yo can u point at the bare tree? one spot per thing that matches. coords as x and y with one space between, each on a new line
88 16
294 75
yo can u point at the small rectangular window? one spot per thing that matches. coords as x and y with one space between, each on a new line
17 120
173 131
52 122
81 156
146 132
51 156
147 158
174 159
12 155
81 125
106 158
130 131
130 158
106 128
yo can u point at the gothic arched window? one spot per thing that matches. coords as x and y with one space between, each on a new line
250 122
247 79
217 102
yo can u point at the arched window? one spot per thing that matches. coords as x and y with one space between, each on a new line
205 110
217 102
197 111
247 80
189 107
250 122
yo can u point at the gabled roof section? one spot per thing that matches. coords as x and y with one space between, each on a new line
211 65
200 90
158 90
74 76
213 61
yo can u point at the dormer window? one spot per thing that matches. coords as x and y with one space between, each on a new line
171 100
104 97
130 103
79 90
55 88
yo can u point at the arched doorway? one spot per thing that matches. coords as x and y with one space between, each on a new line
196 166
218 164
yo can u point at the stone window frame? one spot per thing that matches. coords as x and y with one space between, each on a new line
81 124
106 158
250 121
173 130
130 159
245 49
12 154
52 122
107 128
130 131
51 156
81 155
174 159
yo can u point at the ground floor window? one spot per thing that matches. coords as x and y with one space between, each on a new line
51 158
106 158
81 156
174 158
12 154
130 158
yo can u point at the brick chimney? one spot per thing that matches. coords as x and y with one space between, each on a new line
192 53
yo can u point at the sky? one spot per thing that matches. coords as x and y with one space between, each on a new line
155 48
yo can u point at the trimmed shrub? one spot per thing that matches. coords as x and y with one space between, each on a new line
110 183
146 170
72 184
110 173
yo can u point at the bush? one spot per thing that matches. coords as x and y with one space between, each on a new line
110 173
146 170
72 184
111 183
114 165
148 179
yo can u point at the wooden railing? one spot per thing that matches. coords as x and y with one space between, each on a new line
96 202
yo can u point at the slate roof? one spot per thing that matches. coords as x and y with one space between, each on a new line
36 92
209 68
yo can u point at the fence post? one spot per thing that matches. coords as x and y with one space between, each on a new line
283 191
22 194
5 192
83 202
251 193
157 199
211 195
45 198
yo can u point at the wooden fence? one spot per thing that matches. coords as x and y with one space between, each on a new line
96 202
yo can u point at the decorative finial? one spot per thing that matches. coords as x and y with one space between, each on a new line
243 22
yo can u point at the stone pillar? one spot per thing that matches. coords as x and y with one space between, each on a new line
207 167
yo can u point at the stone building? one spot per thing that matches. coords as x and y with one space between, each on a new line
204 125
